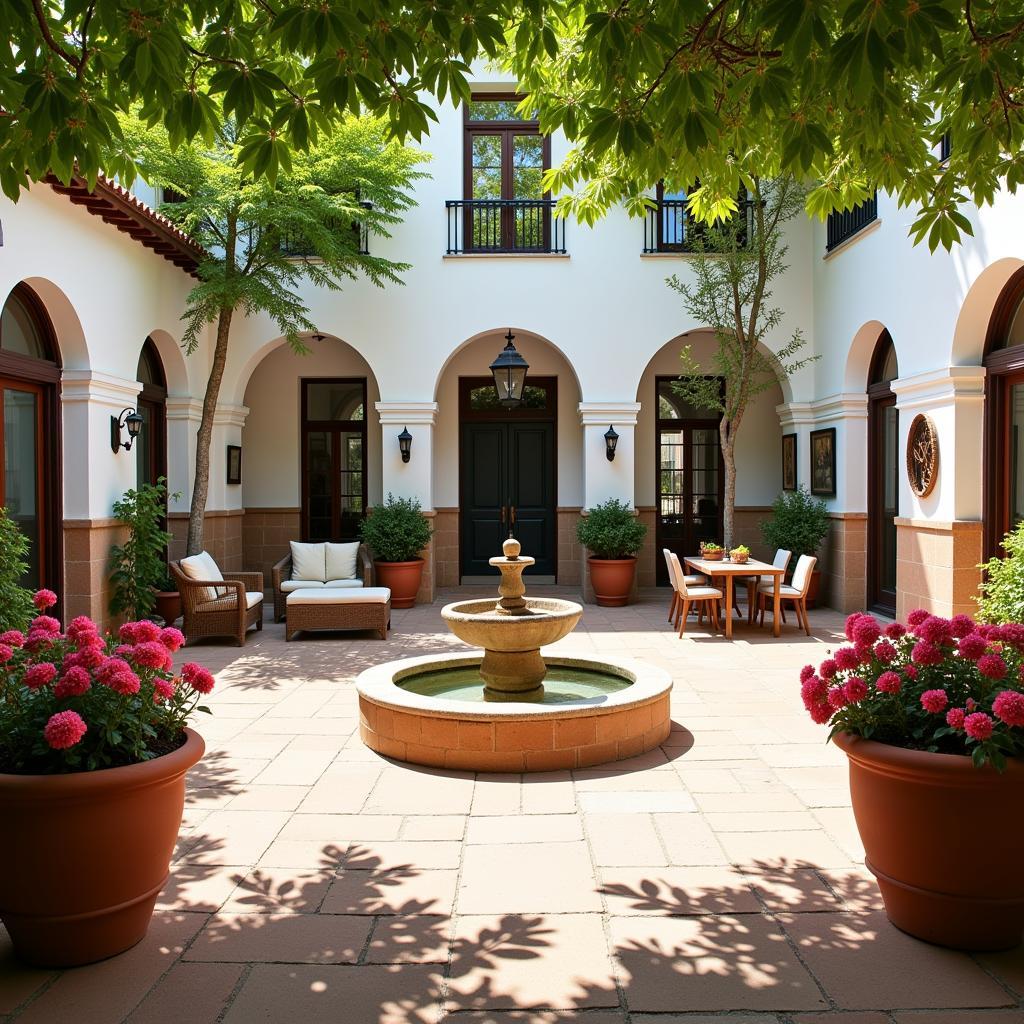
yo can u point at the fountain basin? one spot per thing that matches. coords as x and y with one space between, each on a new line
572 730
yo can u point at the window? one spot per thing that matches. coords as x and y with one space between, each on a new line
945 146
844 224
669 227
333 458
505 208
883 476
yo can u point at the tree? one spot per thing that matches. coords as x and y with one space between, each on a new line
734 265
852 95
262 239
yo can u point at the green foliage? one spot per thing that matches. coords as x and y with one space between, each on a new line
1001 593
740 549
799 523
139 566
15 600
396 531
611 530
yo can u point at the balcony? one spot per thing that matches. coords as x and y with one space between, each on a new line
294 245
505 227
669 228
844 224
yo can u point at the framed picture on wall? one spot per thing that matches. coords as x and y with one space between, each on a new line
234 464
789 462
823 462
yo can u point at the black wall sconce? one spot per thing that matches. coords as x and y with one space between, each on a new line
133 421
611 440
405 444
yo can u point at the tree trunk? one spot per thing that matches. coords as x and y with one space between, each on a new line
728 441
204 436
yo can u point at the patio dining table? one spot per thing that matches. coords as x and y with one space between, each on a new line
727 571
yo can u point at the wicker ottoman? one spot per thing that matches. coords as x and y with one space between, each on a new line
338 608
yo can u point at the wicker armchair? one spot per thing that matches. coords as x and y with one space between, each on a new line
282 571
227 615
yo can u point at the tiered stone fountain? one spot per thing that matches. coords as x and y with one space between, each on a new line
510 708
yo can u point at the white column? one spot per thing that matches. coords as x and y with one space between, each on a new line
604 479
848 413
183 416
228 421
94 476
954 399
415 478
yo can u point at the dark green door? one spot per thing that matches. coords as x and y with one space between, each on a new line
508 486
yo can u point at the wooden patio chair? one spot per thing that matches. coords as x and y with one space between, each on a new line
796 593
705 598
780 561
217 605
695 580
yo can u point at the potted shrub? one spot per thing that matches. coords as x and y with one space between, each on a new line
711 551
931 718
740 553
93 754
396 533
139 577
799 523
614 537
15 600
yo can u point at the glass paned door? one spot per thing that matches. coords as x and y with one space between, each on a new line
884 503
1015 453
529 215
486 183
319 480
21 486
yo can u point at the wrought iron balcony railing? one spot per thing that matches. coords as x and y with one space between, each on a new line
668 227
844 224
504 226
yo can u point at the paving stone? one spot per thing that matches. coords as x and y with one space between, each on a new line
672 891
406 890
204 988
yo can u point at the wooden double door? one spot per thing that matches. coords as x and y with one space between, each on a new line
508 488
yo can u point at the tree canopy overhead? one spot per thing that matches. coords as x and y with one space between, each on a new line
847 94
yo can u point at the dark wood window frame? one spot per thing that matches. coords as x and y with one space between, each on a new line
880 397
153 397
42 377
337 427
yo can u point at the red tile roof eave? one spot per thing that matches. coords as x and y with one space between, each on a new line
117 206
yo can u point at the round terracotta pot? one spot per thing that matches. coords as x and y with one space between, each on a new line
402 579
168 606
945 841
84 856
612 580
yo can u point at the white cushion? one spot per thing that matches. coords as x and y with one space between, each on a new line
309 562
342 560
692 592
203 567
289 585
341 595
785 590
344 584
252 598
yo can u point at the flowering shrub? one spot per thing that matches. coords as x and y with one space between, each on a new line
78 700
951 686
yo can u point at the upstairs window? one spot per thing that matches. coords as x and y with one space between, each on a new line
844 224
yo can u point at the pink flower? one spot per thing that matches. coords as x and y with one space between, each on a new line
139 632
934 701
910 671
895 630
91 657
846 658
40 675
917 616
864 653
837 698
64 729
38 640
855 689
73 683
198 677
960 625
1009 707
972 646
955 718
925 653
851 623
806 672
45 624
992 666
935 630
820 713
173 639
866 631
6 653
885 652
44 599
828 669
1012 633
150 654
978 726
813 691
81 626
13 638
163 689
889 682
987 630
971 703
118 675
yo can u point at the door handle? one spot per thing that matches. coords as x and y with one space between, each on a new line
512 513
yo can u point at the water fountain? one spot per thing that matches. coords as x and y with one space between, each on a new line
510 708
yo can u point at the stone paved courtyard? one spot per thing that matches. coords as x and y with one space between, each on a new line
717 878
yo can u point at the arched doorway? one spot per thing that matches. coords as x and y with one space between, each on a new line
883 476
151 445
29 430
1004 415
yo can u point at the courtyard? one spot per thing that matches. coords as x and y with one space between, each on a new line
718 877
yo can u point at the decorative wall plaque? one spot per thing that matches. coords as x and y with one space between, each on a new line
922 455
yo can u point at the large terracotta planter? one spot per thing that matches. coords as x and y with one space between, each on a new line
83 857
945 841
402 579
612 580
168 606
